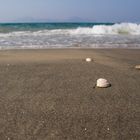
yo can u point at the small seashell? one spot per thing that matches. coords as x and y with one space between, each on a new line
88 59
103 83
137 67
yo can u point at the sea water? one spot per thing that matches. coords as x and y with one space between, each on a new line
69 35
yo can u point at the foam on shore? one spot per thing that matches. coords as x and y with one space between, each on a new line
98 36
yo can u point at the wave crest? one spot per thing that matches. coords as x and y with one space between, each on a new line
123 28
96 36
116 29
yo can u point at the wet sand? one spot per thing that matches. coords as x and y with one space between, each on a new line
49 95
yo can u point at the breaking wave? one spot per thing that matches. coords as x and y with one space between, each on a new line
116 29
117 35
123 28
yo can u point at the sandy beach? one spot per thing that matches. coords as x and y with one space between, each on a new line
50 95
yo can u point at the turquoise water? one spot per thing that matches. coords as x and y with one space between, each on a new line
69 35
11 27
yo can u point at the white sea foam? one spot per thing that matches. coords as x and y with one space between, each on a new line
123 28
117 35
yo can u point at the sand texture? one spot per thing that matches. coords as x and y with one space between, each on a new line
50 95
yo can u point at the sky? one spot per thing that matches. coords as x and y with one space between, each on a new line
69 10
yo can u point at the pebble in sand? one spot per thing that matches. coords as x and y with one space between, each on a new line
88 59
102 83
137 67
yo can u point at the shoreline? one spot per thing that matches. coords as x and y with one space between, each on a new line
17 55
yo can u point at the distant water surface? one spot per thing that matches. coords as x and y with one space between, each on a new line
69 35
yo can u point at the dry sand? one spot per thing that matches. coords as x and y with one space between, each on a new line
49 95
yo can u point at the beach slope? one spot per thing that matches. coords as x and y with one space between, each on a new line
50 95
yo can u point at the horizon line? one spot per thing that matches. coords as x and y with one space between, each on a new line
64 22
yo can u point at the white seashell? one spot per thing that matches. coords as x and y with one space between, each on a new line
137 67
88 59
103 83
